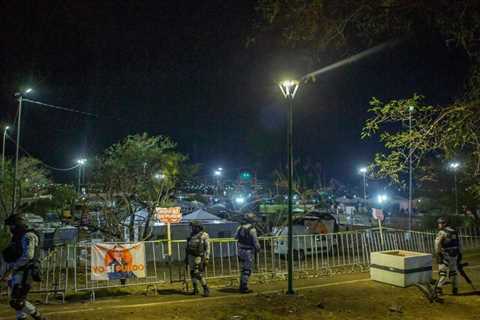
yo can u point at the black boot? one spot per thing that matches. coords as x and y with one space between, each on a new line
195 289
38 316
206 291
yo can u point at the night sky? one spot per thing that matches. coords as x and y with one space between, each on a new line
182 69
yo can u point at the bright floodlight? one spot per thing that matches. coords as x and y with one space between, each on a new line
454 165
363 170
240 200
28 90
6 128
289 88
381 198
82 161
217 173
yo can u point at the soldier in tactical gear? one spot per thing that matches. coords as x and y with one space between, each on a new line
448 252
21 257
197 255
248 246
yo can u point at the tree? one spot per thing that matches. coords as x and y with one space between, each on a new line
438 132
141 171
32 181
319 25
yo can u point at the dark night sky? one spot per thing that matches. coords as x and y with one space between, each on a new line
181 69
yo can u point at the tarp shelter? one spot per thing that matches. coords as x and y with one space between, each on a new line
200 215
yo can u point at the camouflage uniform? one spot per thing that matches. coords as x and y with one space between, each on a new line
447 249
19 257
248 245
198 252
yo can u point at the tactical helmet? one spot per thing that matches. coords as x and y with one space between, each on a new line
15 220
250 217
441 220
196 224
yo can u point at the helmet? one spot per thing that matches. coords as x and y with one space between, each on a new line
441 220
15 220
196 224
250 217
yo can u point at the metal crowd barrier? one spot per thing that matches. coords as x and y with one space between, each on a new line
67 269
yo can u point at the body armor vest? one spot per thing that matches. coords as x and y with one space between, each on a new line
451 243
244 236
196 245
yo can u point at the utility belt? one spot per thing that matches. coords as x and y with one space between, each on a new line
32 268
246 247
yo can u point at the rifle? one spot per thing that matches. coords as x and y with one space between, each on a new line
464 275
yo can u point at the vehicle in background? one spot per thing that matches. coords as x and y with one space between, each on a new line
308 235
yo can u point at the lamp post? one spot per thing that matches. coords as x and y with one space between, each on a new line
218 175
3 151
17 142
454 166
81 163
289 89
410 169
363 172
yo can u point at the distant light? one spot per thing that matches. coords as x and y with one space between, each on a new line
217 173
411 108
159 176
6 128
381 198
454 165
28 90
363 170
82 161
240 200
220 169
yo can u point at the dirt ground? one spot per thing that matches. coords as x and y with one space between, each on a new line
345 296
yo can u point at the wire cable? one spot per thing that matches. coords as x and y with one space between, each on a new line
43 163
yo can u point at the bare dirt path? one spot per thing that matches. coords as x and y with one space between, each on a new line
350 296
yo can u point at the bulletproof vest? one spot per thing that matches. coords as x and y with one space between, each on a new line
195 245
14 250
451 243
244 236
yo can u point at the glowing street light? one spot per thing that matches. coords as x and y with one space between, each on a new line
363 171
19 95
3 151
159 176
289 89
382 198
81 164
454 166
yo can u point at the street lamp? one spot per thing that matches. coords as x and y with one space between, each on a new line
289 89
218 174
454 167
19 95
410 168
81 163
382 198
363 171
3 151
159 176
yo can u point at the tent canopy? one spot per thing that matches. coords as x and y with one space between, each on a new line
200 215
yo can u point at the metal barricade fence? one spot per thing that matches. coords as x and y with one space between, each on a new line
68 268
